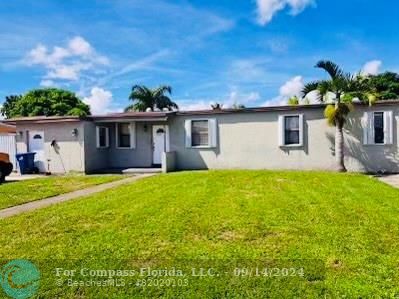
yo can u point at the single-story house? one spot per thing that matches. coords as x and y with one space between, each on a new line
282 137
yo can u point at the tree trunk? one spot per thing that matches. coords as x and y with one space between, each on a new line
339 148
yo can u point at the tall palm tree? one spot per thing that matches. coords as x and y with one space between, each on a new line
341 88
144 98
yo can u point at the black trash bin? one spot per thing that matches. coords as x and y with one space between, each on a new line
26 162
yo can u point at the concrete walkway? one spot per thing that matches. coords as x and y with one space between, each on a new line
15 177
34 205
392 180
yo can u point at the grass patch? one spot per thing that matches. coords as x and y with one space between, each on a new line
16 193
342 228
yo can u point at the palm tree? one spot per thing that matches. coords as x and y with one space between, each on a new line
144 98
217 106
341 88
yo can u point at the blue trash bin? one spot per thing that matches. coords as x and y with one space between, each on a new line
26 162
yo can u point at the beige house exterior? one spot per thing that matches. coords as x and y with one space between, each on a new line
283 137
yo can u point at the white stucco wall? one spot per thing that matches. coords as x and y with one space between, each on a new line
69 155
250 141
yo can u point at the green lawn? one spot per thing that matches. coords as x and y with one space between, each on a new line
16 193
342 230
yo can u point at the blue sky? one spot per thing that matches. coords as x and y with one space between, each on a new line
254 52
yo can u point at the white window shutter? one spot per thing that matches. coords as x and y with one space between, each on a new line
187 131
116 135
301 129
133 134
212 127
98 137
388 127
167 138
371 132
107 137
281 131
368 133
365 126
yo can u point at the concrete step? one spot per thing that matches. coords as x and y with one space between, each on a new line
141 170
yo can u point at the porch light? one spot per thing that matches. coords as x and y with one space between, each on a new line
75 132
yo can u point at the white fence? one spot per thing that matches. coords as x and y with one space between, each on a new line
8 145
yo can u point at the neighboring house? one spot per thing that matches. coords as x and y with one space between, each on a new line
7 141
283 137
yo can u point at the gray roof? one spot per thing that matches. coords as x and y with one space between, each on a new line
163 116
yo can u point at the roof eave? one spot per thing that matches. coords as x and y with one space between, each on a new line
43 120
279 108
129 119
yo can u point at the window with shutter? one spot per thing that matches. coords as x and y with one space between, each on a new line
379 134
291 130
102 137
378 128
125 135
199 133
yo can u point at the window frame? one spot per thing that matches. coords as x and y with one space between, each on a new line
209 135
383 128
131 134
369 129
286 130
213 138
282 130
98 129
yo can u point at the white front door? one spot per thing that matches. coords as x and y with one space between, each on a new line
159 143
36 144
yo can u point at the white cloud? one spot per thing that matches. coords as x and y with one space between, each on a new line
66 63
372 67
79 46
292 87
47 83
298 6
266 9
241 98
99 100
68 72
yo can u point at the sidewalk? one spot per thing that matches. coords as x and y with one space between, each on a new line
34 205
392 180
15 177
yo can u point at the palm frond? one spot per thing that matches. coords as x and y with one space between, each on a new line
309 87
144 98
165 102
331 68
129 108
324 88
141 106
161 90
